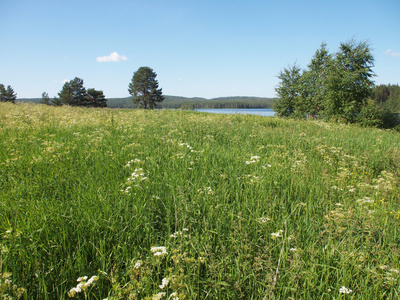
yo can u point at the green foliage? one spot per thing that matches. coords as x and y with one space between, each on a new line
387 97
370 115
349 82
275 208
333 87
56 102
45 98
7 95
288 90
312 84
74 93
95 98
144 88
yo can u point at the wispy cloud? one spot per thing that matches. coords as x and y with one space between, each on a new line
390 52
113 57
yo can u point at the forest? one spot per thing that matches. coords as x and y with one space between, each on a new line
176 102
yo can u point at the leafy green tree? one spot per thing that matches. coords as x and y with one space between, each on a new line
45 98
314 81
287 90
144 88
73 93
7 95
349 82
96 98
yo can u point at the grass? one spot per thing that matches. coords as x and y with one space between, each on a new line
247 207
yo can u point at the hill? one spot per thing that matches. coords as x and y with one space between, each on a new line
175 102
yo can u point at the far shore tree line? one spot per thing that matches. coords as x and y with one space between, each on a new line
338 87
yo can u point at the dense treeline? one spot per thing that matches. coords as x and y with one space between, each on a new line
335 87
175 102
387 97
217 103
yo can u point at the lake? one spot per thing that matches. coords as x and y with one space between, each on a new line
265 112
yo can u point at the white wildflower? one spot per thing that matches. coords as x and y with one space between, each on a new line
336 188
159 251
345 290
174 296
138 264
82 278
164 283
264 219
158 296
278 234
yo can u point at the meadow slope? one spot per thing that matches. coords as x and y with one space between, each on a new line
187 205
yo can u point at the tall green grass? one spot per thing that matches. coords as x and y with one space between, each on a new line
247 207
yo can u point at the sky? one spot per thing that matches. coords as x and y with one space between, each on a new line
207 48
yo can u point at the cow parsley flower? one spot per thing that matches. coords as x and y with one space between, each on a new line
264 219
164 283
138 264
159 251
158 296
278 234
345 290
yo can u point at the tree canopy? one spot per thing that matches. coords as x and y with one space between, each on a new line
7 94
144 88
75 94
335 86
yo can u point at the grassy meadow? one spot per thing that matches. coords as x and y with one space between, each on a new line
186 205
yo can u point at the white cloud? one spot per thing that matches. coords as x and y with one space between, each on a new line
391 53
112 57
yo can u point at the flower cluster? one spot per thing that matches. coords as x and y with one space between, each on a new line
7 287
136 176
138 264
345 290
187 145
276 235
83 284
159 251
264 219
136 160
207 190
164 283
178 233
253 159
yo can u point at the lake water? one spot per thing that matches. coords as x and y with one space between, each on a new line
265 112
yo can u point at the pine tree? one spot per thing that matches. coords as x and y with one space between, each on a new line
73 93
144 88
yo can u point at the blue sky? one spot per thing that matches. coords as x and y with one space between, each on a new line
208 48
